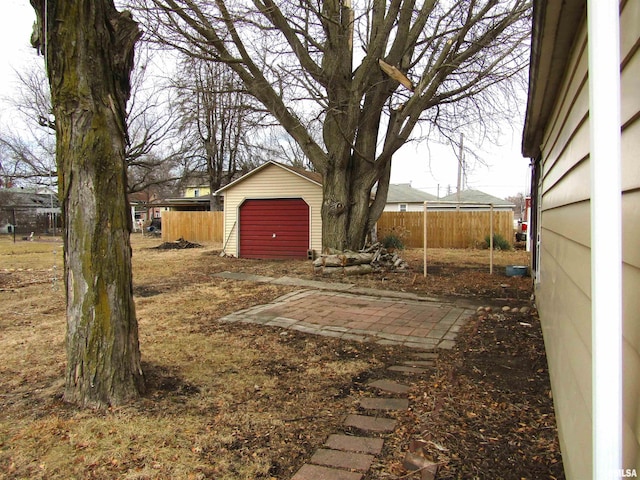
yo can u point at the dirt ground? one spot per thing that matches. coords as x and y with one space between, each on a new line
243 402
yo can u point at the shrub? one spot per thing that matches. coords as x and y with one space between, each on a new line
499 242
392 241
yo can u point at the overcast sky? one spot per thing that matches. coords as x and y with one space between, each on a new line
433 169
15 31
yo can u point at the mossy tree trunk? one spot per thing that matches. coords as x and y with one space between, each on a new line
88 46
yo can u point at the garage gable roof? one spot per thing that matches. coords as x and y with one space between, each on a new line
313 177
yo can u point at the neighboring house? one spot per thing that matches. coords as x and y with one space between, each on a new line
146 207
557 138
273 212
199 195
29 210
197 191
402 197
472 200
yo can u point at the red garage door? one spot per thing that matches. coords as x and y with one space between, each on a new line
274 228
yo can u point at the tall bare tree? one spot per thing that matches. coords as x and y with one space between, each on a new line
218 117
27 140
88 47
155 145
368 73
152 127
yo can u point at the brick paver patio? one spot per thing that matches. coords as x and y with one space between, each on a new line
414 323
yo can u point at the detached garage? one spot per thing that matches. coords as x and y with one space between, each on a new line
273 212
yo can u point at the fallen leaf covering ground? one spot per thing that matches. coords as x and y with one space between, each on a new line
244 402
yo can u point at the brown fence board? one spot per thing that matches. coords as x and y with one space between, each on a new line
192 226
446 229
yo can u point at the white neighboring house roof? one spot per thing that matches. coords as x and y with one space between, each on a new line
43 200
312 177
472 198
405 193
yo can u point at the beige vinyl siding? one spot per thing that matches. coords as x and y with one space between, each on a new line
563 293
631 302
631 151
272 181
630 109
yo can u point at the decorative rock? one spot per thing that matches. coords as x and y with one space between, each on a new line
525 310
506 308
427 468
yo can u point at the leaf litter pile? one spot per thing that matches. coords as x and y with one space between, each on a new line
230 401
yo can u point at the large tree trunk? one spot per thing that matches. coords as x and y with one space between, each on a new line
89 52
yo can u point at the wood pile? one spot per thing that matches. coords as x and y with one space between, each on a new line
374 258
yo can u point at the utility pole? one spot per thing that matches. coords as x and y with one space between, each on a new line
460 168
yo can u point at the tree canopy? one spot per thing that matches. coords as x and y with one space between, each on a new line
368 73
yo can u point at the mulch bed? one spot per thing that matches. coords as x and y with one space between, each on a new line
487 411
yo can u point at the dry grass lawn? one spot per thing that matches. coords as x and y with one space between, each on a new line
223 401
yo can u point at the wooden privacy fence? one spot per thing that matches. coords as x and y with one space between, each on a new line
446 229
192 226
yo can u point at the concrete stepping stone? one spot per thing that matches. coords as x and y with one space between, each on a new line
447 344
406 369
384 403
390 386
316 472
351 443
370 424
426 355
338 459
419 363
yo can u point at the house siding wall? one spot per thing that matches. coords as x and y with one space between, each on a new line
271 182
563 284
203 191
411 207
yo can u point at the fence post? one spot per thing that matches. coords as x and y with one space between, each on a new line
13 213
424 240
491 241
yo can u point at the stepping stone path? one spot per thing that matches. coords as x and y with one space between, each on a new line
349 457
